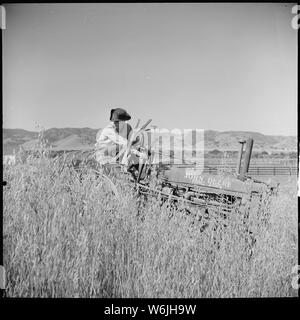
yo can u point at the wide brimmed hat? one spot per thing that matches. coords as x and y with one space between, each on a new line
119 114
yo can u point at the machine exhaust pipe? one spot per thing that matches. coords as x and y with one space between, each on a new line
247 158
238 168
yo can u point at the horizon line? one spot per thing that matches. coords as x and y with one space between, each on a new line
283 135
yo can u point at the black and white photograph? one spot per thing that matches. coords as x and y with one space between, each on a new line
150 150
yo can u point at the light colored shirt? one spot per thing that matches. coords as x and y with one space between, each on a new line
109 135
109 141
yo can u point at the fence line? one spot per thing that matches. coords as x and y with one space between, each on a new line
257 170
253 170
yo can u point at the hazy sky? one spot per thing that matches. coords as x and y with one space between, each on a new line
211 66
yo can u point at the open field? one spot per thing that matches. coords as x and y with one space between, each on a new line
69 238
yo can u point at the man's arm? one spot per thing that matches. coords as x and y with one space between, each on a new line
110 134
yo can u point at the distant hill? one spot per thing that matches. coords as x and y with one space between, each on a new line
59 138
13 138
83 138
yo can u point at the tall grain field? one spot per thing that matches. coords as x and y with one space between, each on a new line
71 237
